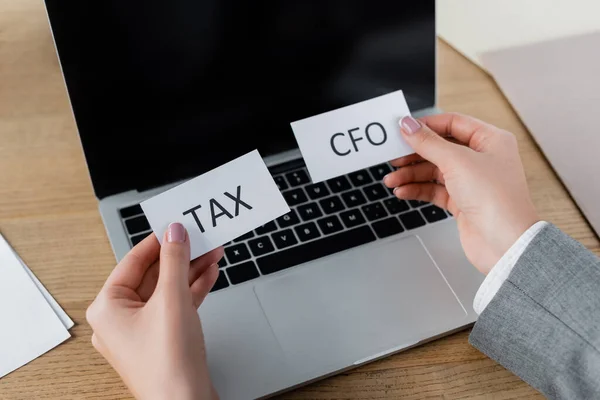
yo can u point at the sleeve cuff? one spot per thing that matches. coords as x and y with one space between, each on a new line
500 272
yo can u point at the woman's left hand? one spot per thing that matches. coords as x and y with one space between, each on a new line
145 318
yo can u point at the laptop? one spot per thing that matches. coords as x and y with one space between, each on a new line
164 91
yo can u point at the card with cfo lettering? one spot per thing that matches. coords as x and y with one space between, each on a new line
354 137
219 205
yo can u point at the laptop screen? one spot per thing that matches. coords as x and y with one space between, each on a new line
166 90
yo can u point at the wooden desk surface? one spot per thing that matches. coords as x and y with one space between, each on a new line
49 214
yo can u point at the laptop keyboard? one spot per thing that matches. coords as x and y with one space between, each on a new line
325 218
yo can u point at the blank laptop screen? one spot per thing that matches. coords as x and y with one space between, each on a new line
165 90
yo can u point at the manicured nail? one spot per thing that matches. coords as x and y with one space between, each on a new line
409 125
176 233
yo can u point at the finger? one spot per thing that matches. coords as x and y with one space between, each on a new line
416 158
407 160
428 192
174 260
202 286
197 266
429 144
421 172
132 268
148 283
467 130
201 264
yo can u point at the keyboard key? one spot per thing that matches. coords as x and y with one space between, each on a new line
295 196
339 184
416 203
285 238
379 171
221 282
307 231
317 190
244 237
297 178
281 183
353 198
374 211
433 213
266 228
137 224
360 178
387 227
222 262
138 238
288 219
131 211
376 192
395 205
412 220
261 246
242 272
330 224
315 249
332 205
309 211
237 253
352 218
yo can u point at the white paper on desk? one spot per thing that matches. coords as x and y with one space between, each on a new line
220 205
353 137
60 313
29 326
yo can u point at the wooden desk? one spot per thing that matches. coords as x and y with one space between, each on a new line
49 214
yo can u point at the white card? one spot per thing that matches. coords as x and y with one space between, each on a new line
30 326
219 205
353 137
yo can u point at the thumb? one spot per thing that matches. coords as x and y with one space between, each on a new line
173 275
427 143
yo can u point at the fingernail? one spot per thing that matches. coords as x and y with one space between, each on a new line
395 191
409 124
176 233
385 178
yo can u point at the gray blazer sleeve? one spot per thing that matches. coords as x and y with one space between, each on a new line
544 322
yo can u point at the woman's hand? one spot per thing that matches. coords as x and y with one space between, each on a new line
472 169
145 318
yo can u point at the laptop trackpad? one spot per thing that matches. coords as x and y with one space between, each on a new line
350 306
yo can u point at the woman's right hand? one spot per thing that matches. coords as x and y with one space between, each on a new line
472 169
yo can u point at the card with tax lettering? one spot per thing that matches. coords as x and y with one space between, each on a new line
220 205
353 137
